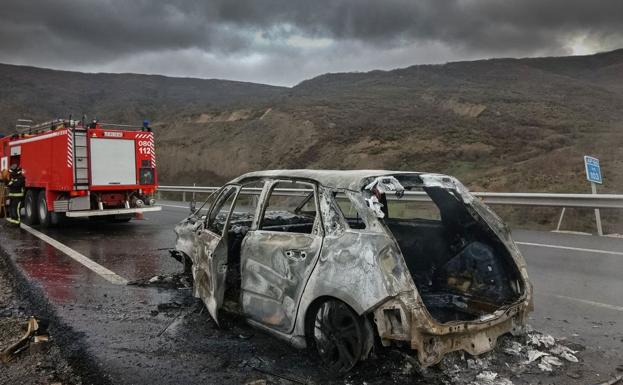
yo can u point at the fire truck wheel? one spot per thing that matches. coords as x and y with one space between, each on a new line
44 214
30 208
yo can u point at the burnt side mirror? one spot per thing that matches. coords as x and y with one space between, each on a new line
192 206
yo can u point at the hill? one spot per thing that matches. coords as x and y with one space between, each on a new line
499 124
43 94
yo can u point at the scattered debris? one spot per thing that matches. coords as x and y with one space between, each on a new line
564 352
490 378
486 376
514 348
539 340
513 357
534 355
547 362
172 281
36 333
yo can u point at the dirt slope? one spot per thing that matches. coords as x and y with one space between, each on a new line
500 124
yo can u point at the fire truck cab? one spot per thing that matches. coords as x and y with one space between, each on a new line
77 170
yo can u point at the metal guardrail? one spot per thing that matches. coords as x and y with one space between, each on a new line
596 201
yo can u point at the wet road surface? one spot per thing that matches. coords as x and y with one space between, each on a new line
152 335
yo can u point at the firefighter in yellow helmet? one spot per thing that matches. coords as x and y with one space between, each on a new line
16 186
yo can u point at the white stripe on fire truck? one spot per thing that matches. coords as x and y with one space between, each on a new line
70 150
95 267
36 138
152 150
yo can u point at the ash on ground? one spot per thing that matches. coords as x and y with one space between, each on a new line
515 360
171 281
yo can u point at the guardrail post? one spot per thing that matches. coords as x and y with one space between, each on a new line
597 214
183 196
562 214
194 185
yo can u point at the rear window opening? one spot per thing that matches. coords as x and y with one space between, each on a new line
460 267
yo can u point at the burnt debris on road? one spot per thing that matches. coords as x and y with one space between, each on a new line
28 354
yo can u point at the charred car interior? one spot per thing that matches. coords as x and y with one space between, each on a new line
333 260
460 268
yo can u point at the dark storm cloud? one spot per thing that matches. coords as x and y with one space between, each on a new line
282 41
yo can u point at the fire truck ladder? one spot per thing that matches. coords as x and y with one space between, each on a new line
80 158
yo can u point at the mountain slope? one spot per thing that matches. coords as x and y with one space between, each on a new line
504 124
42 94
499 124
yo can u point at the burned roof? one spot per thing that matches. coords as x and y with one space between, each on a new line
339 179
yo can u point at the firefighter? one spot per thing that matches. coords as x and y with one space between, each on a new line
16 193
146 126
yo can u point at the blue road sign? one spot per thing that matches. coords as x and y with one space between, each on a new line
593 171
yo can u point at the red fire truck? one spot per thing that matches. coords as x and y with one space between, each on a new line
74 169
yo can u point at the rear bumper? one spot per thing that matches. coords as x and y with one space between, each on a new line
96 213
431 340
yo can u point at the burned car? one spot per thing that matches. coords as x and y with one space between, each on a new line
339 260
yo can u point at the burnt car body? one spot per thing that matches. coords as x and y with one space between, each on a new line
334 259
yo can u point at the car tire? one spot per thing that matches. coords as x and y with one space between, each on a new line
338 335
45 217
31 216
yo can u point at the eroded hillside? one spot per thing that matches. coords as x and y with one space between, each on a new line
503 124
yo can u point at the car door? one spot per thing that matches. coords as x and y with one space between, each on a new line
278 255
210 268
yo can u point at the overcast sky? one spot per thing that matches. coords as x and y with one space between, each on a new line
286 41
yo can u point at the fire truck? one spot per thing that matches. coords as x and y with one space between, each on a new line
75 169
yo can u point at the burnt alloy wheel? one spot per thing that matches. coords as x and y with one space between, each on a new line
30 208
337 333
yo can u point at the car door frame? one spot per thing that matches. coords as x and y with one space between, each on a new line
210 267
256 230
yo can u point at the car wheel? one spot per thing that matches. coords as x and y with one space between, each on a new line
44 214
337 334
30 208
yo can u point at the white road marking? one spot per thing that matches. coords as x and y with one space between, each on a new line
570 248
589 302
100 270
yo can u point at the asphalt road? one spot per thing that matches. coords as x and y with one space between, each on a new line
138 334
